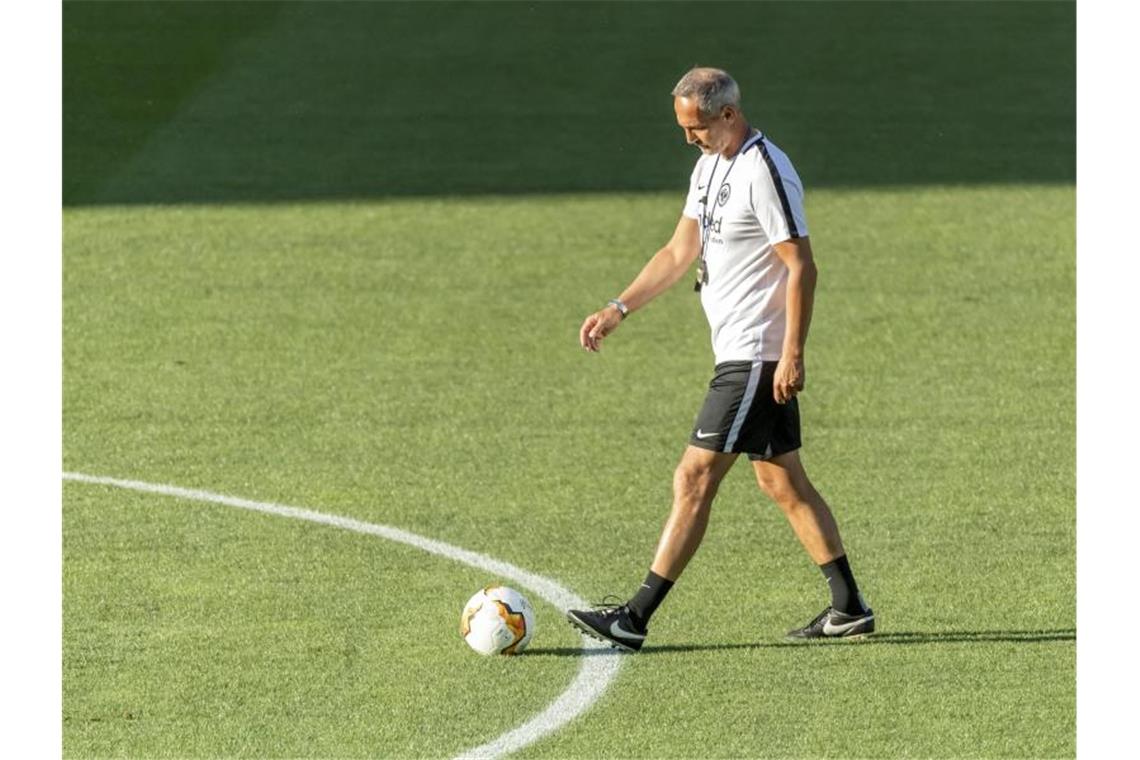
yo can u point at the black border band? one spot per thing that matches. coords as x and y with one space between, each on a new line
779 182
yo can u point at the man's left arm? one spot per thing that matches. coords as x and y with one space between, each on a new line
796 255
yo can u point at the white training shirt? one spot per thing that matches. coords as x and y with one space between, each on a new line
754 201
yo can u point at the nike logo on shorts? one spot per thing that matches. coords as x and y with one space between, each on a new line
703 436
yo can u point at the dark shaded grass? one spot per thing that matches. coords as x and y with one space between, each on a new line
221 102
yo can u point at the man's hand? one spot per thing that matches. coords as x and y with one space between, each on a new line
597 326
789 379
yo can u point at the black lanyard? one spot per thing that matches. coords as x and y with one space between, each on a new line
706 229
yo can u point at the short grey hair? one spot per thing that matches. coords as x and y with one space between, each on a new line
713 89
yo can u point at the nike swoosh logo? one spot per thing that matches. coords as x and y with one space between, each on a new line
621 633
703 436
702 187
836 630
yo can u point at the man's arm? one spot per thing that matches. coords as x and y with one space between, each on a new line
662 272
796 255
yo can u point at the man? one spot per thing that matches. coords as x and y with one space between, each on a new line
744 224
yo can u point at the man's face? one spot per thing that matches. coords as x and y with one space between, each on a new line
710 134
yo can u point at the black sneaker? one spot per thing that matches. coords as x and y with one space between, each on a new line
832 624
610 623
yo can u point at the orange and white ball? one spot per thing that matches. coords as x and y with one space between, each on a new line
497 620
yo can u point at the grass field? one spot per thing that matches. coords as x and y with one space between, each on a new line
272 291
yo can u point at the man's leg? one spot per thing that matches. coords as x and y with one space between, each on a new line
783 478
695 484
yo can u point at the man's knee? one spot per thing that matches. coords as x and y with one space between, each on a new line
694 483
780 488
784 480
776 489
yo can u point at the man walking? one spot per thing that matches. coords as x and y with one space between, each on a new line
743 223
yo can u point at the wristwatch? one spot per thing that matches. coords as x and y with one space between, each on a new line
621 307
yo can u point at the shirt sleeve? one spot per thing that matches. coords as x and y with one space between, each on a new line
778 197
692 207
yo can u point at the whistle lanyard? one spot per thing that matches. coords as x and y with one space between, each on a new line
706 218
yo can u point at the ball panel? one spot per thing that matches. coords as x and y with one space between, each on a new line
468 613
488 634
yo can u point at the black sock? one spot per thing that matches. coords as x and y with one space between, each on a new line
648 598
844 592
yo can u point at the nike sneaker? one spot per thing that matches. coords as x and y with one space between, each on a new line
610 623
832 624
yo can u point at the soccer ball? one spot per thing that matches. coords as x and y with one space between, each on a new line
497 620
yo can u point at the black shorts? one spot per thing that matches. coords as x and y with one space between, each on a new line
741 415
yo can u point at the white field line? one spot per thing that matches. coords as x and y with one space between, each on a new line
598 668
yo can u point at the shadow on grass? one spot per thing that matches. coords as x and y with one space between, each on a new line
894 637
250 102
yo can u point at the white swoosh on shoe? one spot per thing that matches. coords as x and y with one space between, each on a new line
839 630
621 633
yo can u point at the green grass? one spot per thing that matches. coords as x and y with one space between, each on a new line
336 256
415 363
217 634
224 102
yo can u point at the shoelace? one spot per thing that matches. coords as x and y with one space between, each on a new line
820 618
609 603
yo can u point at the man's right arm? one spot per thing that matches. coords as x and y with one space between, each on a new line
663 270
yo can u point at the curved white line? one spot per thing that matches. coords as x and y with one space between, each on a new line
593 677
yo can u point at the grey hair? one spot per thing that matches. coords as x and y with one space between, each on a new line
713 88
